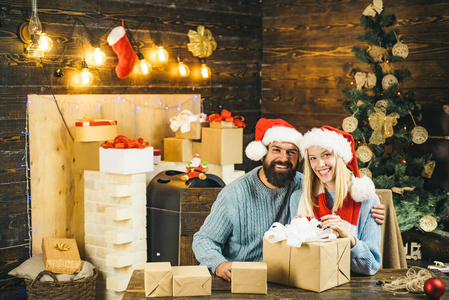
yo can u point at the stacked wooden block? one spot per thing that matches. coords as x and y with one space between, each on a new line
115 228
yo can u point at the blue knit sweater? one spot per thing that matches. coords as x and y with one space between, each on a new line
244 210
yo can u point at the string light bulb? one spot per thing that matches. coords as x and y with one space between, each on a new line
45 42
98 57
85 77
183 69
205 70
144 66
161 53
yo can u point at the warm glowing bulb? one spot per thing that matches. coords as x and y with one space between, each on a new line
144 67
34 50
161 54
98 57
85 76
45 42
404 161
205 71
183 69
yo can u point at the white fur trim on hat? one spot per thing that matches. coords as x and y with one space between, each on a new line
255 150
362 189
282 134
116 34
329 140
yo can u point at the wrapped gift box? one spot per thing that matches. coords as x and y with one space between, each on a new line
222 124
197 148
61 255
177 149
87 155
126 161
194 133
97 130
191 281
158 279
249 277
315 266
222 146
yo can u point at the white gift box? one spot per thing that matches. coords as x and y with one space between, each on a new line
126 161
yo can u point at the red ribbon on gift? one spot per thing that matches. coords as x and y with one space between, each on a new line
122 142
227 117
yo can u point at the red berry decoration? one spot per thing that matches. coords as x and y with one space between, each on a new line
434 288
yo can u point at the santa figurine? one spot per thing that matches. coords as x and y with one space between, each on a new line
195 169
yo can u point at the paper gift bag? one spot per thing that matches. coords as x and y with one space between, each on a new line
249 277
158 279
191 281
315 266
61 255
177 149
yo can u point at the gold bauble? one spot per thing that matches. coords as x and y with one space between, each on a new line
365 172
350 124
400 49
428 223
364 153
419 135
388 81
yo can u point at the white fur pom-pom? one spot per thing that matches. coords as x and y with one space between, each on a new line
255 150
362 189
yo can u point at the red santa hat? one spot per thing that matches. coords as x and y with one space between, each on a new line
340 143
268 131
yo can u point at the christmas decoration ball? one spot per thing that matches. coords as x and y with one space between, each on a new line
434 287
428 223
400 49
388 81
350 124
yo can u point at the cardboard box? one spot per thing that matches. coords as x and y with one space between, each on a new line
222 124
158 279
197 148
98 130
126 161
194 133
177 149
87 155
61 255
249 277
191 281
222 146
315 266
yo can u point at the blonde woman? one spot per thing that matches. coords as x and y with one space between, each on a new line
334 193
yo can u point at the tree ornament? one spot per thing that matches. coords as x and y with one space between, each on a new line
365 172
377 138
386 67
419 135
364 153
363 79
360 103
429 166
400 49
350 124
372 9
127 58
428 223
378 54
388 81
401 190
202 43
434 287
382 105
382 125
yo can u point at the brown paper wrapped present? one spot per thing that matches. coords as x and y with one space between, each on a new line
177 149
315 266
61 255
249 277
158 279
222 146
191 281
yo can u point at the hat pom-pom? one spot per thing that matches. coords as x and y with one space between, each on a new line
362 189
255 150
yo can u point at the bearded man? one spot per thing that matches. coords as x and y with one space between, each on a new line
246 208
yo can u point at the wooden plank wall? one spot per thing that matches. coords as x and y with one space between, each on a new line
234 85
307 60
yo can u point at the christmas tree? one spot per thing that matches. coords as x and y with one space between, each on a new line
384 123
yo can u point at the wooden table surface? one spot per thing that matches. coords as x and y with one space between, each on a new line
360 287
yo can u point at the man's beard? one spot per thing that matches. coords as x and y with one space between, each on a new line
279 179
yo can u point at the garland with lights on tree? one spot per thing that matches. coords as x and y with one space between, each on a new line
384 120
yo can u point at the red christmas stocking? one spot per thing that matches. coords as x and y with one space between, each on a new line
125 52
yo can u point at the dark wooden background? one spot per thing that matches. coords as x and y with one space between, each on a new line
276 58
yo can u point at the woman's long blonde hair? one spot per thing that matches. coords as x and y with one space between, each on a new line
312 186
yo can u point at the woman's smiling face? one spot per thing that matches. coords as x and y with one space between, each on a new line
323 164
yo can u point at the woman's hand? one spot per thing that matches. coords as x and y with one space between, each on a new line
334 222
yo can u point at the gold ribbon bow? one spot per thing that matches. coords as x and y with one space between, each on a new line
373 8
202 43
382 125
62 247
363 79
